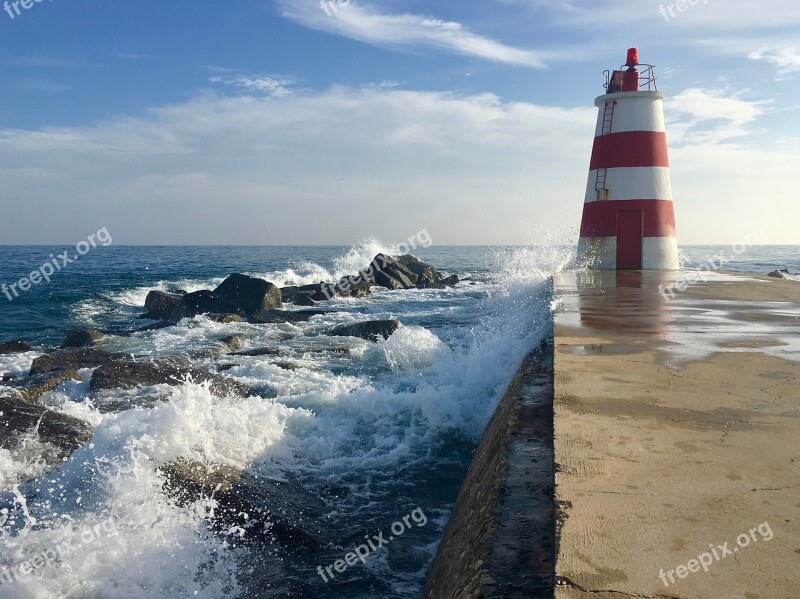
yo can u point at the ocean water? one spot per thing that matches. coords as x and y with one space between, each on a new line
373 435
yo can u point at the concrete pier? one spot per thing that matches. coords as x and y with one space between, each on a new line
674 442
677 429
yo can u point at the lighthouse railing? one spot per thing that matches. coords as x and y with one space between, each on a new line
647 78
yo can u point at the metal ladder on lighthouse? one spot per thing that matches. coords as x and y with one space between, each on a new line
602 173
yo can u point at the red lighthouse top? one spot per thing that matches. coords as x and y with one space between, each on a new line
632 76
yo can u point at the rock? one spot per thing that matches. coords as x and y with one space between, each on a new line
225 318
33 387
281 316
287 365
81 339
303 299
76 358
780 274
426 274
389 273
14 347
314 292
265 509
164 371
259 351
222 347
371 330
160 304
352 286
233 342
19 418
250 294
450 281
202 302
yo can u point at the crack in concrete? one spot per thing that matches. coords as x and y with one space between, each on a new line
563 581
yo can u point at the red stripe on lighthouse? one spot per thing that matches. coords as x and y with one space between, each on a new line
630 149
600 218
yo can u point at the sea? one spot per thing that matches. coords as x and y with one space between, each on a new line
380 435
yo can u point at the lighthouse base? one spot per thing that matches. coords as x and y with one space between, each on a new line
601 253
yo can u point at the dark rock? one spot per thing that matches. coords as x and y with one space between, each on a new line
303 299
315 291
202 302
14 347
353 286
164 371
268 510
450 281
76 358
259 351
371 330
222 347
287 365
780 274
250 294
33 387
426 274
81 339
160 304
18 418
130 375
389 273
225 318
280 316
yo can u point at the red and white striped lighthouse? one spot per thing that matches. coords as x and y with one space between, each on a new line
628 219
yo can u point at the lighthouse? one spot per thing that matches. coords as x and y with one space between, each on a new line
628 219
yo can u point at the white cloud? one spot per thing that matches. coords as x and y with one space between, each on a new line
699 115
787 59
340 165
715 14
275 87
321 167
364 23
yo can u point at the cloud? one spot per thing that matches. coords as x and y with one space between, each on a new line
364 23
342 164
699 115
786 59
715 14
329 167
272 86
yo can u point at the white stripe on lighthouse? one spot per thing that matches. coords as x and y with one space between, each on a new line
633 112
660 253
638 183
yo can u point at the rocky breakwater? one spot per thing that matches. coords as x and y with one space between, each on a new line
280 506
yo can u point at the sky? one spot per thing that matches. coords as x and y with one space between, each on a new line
296 122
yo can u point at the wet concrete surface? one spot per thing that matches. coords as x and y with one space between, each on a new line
677 428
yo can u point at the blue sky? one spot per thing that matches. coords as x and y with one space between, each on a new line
292 122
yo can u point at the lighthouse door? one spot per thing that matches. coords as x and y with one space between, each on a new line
629 240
